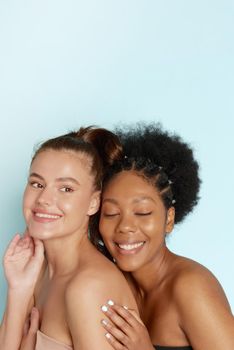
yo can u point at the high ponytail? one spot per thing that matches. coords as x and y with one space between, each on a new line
104 141
101 146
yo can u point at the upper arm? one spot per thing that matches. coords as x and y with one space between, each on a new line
205 314
83 303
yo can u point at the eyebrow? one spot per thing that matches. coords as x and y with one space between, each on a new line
71 179
36 175
59 179
136 200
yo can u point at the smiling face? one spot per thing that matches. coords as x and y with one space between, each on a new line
134 221
59 196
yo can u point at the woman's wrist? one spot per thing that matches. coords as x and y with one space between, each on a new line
20 293
18 303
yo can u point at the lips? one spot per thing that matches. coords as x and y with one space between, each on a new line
45 217
48 216
129 248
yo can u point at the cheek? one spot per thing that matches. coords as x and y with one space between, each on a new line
149 225
152 226
27 201
68 206
104 228
77 206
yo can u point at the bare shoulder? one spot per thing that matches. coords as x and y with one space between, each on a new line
202 307
83 301
102 281
85 294
195 280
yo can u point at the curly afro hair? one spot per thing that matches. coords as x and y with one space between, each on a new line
164 160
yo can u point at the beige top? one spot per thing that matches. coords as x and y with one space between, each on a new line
46 343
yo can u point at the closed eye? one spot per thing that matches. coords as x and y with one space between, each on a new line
110 215
144 214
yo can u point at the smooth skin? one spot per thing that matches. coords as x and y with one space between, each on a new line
77 279
126 330
181 303
22 262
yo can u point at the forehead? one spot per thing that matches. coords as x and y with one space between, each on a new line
61 163
130 185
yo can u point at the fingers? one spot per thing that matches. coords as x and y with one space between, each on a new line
114 335
26 326
22 244
124 328
114 342
17 249
117 320
38 248
121 314
12 245
31 245
34 321
29 339
135 314
129 315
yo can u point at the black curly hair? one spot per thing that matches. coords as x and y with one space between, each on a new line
164 160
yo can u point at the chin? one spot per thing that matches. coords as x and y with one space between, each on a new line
39 233
127 267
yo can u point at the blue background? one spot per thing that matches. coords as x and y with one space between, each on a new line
64 64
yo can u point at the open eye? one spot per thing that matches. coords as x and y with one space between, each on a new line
36 184
66 189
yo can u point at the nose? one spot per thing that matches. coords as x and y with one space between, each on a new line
126 224
45 197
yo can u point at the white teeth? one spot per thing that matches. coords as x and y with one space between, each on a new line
47 216
130 246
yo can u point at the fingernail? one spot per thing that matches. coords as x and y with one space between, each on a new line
110 302
104 322
125 307
104 308
108 335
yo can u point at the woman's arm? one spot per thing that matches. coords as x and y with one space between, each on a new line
13 320
84 300
203 310
84 324
22 264
125 330
205 315
30 331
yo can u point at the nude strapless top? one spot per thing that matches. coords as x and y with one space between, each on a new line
157 347
47 343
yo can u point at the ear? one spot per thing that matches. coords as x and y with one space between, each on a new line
170 220
94 203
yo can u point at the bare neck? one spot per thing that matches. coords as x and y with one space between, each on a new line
64 253
151 275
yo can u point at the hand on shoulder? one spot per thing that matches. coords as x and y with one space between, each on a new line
84 298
